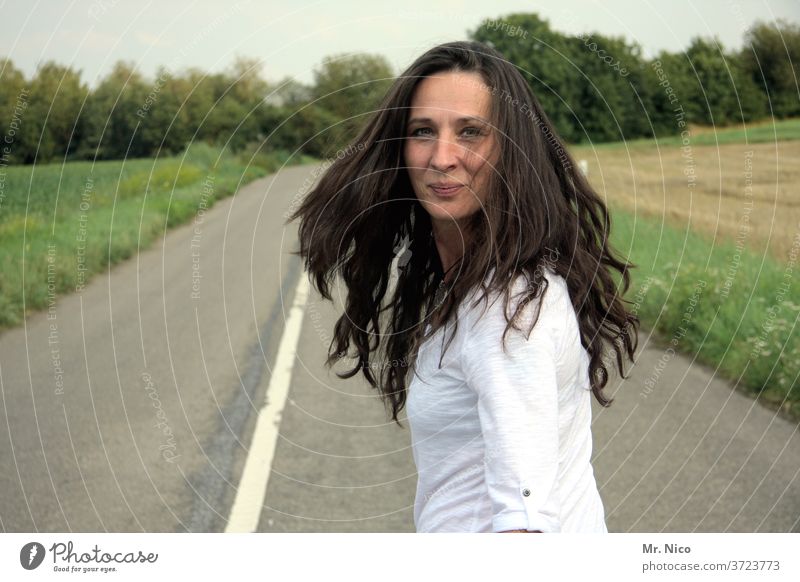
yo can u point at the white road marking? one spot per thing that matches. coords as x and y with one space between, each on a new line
249 500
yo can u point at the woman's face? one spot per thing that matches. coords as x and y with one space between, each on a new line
450 148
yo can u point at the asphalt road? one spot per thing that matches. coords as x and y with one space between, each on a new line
130 406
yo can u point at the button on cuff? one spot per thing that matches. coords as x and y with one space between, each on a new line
536 518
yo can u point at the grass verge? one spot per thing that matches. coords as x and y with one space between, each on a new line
758 132
63 223
731 309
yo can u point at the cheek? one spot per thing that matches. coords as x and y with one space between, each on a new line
414 159
477 171
483 163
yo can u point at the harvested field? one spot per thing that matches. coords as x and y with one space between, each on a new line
741 193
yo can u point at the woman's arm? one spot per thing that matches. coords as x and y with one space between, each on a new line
517 406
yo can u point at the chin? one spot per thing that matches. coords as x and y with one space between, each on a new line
444 217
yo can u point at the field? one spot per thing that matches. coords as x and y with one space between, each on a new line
728 192
91 215
767 131
715 233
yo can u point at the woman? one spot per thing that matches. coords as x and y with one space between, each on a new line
461 162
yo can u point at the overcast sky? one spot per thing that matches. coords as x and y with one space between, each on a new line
291 37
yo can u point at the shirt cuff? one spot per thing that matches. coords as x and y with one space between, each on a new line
526 521
529 516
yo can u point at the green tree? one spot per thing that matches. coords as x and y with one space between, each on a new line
247 85
224 119
248 89
349 87
204 91
720 88
712 84
608 80
115 112
546 59
218 109
165 126
52 126
643 118
289 92
771 57
752 102
299 129
14 98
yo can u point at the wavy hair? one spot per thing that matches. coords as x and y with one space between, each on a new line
539 210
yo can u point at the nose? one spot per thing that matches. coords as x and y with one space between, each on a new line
445 153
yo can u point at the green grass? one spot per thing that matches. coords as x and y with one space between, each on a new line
62 223
759 132
742 321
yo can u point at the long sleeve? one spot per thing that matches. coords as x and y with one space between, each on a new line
518 410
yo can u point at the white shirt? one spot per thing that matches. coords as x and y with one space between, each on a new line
503 441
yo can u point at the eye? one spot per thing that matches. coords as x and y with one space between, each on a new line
467 132
416 133
475 131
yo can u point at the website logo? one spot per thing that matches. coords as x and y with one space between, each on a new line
31 555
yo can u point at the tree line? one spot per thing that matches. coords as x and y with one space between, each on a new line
601 88
593 87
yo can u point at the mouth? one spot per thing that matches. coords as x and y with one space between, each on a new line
445 189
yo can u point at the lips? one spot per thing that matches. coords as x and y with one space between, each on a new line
445 189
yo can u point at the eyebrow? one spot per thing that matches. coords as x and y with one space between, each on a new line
429 120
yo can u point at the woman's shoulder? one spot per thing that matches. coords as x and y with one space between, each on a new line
555 282
514 324
549 303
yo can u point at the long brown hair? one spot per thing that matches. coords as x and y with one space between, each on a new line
539 210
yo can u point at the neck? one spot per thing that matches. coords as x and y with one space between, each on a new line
451 240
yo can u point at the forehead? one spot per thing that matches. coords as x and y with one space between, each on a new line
451 94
